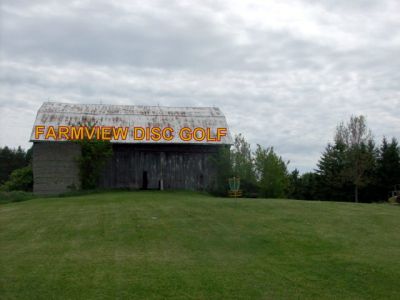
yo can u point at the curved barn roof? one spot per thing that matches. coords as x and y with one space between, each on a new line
68 114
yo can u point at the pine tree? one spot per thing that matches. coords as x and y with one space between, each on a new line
309 186
388 167
10 160
294 188
331 183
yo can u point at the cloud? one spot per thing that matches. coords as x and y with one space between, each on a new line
284 72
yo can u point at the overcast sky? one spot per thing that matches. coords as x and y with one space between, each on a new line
285 73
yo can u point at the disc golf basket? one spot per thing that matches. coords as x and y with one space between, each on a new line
395 195
234 185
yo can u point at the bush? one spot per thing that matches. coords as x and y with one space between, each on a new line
250 189
95 153
20 180
12 159
15 196
223 166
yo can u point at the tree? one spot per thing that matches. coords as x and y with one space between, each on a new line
294 188
354 133
360 149
243 165
388 166
272 173
95 154
303 186
223 164
12 159
309 186
20 180
332 185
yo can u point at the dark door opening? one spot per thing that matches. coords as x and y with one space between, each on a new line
145 181
201 181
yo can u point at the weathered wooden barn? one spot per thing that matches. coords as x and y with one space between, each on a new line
136 164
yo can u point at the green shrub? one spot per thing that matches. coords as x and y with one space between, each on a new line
20 180
223 165
15 196
95 154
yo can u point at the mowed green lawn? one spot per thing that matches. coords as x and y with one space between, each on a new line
180 245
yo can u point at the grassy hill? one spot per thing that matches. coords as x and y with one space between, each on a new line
180 245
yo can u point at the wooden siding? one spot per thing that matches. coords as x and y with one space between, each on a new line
189 167
178 166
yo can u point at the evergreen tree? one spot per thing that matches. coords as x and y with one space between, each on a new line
304 187
309 186
330 167
294 188
388 167
10 160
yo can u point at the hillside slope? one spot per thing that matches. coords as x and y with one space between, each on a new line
179 245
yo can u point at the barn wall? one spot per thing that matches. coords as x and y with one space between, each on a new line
179 166
55 169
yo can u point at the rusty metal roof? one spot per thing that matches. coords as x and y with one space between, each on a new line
68 114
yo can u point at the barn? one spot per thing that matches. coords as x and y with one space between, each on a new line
135 164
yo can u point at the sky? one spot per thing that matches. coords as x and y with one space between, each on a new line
284 73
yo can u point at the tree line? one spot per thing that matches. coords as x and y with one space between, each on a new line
15 169
352 168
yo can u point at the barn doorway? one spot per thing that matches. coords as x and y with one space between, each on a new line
145 181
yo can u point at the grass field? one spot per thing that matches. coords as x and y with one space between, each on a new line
180 245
